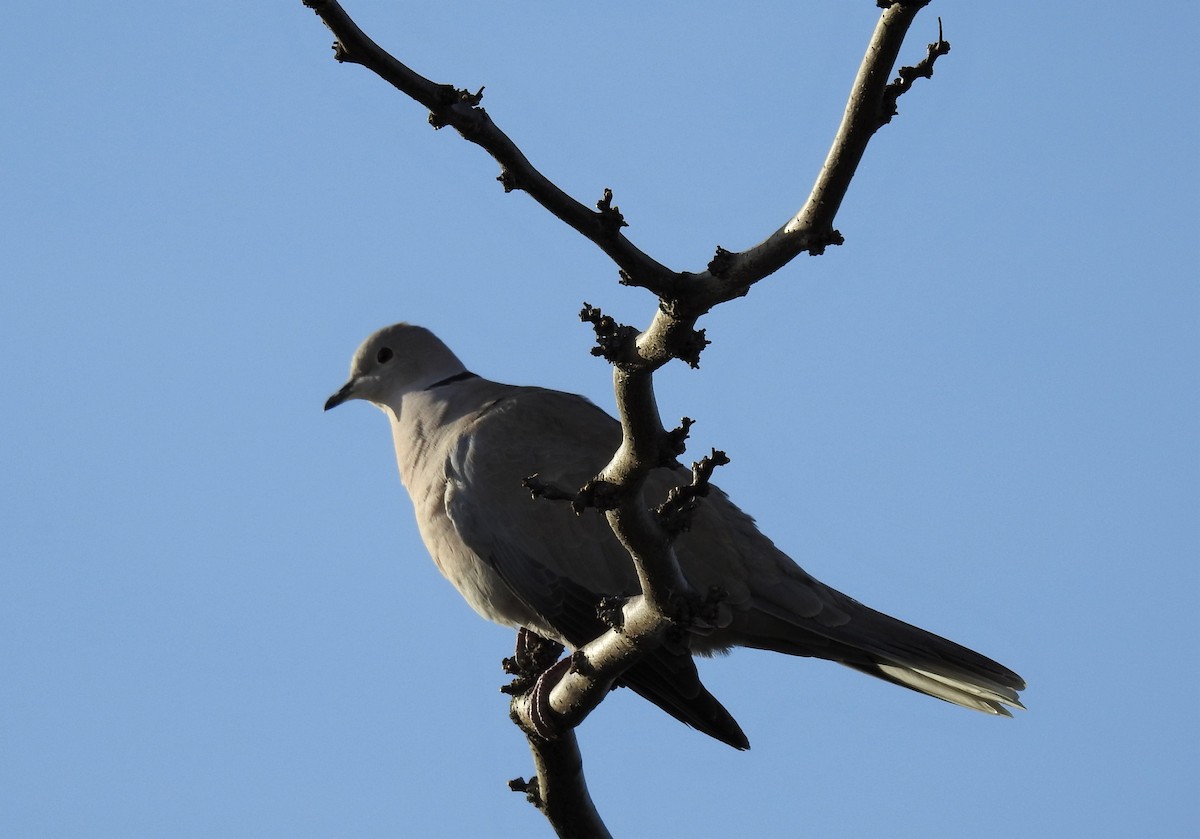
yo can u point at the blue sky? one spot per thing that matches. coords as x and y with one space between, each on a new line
980 414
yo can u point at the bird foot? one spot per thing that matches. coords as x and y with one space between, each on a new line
533 656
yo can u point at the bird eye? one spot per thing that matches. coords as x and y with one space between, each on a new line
384 355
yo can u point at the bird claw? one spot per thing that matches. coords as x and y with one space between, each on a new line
537 670
533 656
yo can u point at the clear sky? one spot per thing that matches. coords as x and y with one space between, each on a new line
980 414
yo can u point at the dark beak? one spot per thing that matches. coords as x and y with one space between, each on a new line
344 394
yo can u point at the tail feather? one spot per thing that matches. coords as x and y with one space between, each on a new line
990 699
890 649
915 658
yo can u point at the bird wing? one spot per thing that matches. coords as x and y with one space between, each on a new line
557 563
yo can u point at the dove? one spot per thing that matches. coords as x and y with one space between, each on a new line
465 444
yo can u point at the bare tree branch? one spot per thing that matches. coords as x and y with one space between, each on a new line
811 229
550 703
459 109
566 803
729 274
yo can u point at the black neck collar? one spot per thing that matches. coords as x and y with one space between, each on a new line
457 377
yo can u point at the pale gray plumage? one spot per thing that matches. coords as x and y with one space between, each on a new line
464 444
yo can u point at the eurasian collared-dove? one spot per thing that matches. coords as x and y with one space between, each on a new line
464 444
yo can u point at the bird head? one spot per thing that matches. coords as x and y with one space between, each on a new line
396 360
